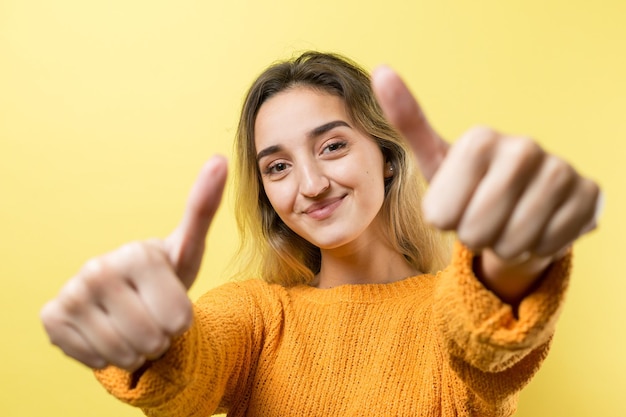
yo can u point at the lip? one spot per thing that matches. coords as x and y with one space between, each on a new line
323 209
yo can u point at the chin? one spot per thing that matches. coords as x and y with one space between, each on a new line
330 244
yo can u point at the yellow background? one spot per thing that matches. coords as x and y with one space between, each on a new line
109 108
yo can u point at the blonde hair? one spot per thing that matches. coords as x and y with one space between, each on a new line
268 248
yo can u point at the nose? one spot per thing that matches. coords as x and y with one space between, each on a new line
313 182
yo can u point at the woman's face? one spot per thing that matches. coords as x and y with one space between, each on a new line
324 178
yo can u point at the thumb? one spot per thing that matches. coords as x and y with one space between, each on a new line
185 246
405 114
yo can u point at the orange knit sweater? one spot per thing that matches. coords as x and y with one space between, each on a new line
425 346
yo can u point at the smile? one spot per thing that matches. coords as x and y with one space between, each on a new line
324 209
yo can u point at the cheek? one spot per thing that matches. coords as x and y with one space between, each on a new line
364 178
374 177
353 170
279 197
373 185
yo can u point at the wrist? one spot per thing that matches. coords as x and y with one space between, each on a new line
510 280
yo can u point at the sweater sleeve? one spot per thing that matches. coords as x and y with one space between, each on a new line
205 367
481 330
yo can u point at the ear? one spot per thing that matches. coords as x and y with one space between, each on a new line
388 169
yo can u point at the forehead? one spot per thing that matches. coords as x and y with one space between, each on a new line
292 113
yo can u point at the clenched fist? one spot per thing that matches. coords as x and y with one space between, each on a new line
517 206
123 308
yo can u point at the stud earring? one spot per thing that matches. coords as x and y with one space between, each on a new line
389 172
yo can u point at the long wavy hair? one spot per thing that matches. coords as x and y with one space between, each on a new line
272 251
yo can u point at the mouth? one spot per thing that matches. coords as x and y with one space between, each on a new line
324 209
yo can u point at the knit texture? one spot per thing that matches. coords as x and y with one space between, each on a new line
425 346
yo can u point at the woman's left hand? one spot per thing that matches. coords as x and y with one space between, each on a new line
503 195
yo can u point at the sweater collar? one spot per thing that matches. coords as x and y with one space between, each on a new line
365 293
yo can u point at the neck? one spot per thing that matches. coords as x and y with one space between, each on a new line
372 263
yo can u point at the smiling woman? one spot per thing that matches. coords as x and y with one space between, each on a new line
322 97
355 314
329 189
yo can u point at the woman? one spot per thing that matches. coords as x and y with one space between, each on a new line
349 319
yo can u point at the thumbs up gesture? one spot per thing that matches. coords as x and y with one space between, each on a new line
506 198
124 307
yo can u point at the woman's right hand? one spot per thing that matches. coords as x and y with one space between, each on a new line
124 307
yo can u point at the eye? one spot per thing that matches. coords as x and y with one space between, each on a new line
280 166
276 168
334 146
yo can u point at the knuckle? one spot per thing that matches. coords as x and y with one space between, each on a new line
52 320
118 352
94 267
432 217
525 148
74 297
591 189
98 279
87 356
590 196
47 314
476 233
180 319
479 140
471 239
481 131
560 172
95 275
157 346
94 361
141 252
130 361
440 220
436 213
135 251
506 251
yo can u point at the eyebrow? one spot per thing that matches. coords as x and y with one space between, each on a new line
327 127
316 132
